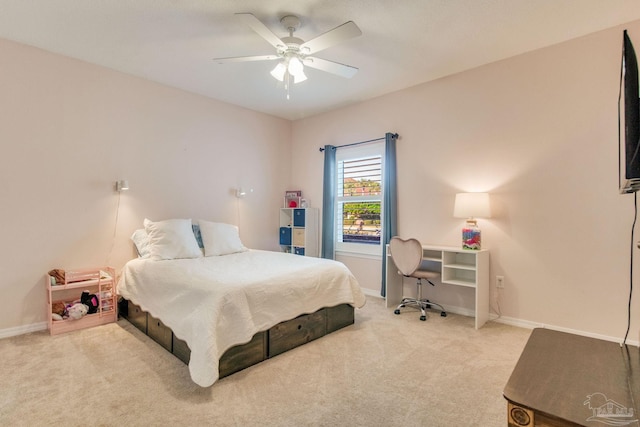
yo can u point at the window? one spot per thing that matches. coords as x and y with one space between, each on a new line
359 199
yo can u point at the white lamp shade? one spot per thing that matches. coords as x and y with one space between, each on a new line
300 77
295 66
278 71
472 205
296 69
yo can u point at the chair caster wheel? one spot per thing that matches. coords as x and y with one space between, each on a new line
428 305
443 314
423 318
396 311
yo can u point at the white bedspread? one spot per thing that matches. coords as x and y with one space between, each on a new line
214 303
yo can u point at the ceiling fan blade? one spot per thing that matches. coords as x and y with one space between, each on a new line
245 58
341 33
257 26
331 67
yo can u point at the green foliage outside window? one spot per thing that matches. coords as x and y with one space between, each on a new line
368 211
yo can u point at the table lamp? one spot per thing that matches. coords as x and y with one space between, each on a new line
470 206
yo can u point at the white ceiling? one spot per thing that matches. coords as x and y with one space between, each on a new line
404 42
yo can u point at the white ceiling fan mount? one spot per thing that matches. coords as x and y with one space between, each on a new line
293 52
291 47
290 22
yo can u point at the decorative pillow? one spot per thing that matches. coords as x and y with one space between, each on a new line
196 232
220 238
172 238
141 240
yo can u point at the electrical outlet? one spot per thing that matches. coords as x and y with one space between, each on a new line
500 282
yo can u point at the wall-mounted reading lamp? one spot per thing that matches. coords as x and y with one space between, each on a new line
241 192
122 185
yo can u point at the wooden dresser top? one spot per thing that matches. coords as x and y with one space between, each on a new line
578 379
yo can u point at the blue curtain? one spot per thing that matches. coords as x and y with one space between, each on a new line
328 202
390 203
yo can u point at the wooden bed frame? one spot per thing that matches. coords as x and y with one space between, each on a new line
264 345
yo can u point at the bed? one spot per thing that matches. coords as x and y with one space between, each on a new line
220 305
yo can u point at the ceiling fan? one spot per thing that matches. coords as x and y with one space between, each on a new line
294 53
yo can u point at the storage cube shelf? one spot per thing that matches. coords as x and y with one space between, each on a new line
99 281
299 231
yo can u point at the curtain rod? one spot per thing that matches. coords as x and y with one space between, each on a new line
395 135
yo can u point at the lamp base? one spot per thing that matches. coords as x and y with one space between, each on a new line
471 236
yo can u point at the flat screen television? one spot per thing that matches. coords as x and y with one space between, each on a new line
629 141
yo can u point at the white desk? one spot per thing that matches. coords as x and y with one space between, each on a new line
458 267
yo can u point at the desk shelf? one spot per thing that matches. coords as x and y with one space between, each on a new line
459 282
431 255
458 267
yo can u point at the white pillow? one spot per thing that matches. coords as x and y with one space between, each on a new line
141 240
172 238
220 239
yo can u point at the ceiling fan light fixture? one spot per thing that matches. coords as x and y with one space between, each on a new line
296 69
292 52
295 66
300 77
278 71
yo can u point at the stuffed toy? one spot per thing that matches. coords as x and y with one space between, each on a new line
58 275
91 301
58 310
77 311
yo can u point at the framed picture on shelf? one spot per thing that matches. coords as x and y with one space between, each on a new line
292 198
293 193
292 202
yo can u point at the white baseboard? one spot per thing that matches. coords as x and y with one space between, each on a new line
526 324
371 292
531 325
512 321
25 329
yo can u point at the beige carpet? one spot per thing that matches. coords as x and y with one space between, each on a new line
385 370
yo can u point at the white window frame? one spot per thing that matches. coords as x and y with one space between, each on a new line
354 153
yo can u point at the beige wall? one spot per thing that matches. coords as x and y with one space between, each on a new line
537 131
69 130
